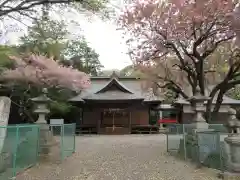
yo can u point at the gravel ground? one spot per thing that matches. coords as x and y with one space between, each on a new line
123 157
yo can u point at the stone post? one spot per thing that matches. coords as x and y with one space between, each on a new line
161 128
233 150
5 157
198 124
197 102
46 136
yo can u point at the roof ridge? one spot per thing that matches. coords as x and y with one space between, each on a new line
119 84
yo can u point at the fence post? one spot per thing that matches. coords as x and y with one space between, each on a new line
167 141
38 143
220 152
74 138
15 151
184 143
62 142
198 149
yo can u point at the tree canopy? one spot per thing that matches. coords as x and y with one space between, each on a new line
177 38
52 39
22 7
79 55
40 70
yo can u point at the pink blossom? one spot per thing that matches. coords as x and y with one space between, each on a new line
152 24
41 70
236 22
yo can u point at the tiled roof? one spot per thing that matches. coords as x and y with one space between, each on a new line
226 100
125 89
112 95
121 86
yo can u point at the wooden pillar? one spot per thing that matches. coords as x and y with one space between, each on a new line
160 117
82 115
130 121
99 120
99 123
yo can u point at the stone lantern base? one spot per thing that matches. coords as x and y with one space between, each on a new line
46 142
233 153
200 125
162 129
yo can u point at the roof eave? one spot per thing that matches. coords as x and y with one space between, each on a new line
114 81
78 99
116 100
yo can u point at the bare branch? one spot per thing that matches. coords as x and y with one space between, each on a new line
172 86
214 47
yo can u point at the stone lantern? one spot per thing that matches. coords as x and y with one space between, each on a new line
199 124
197 102
42 107
233 142
46 137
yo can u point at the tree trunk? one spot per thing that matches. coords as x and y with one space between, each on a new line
208 115
219 100
209 102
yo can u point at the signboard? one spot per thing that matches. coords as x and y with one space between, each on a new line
56 121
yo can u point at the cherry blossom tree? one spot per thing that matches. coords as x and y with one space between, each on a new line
180 36
43 71
236 22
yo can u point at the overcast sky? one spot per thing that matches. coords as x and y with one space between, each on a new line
102 36
108 42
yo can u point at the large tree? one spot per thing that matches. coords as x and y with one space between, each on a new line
28 74
16 14
179 36
23 7
236 22
79 55
45 37
51 38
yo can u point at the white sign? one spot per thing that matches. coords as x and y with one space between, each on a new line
56 121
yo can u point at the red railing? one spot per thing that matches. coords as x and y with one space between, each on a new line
167 121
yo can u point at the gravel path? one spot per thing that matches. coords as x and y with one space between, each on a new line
125 157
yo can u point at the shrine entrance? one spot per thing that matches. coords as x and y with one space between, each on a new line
115 121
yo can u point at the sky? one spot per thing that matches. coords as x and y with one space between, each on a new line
102 36
108 42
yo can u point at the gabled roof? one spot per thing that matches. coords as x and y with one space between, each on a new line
116 88
114 82
113 90
113 95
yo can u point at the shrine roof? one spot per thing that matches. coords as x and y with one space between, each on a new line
116 88
226 101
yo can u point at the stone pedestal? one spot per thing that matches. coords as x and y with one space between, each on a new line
191 140
233 153
234 145
162 129
198 124
197 102
46 140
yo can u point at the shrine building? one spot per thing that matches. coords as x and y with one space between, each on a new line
117 105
